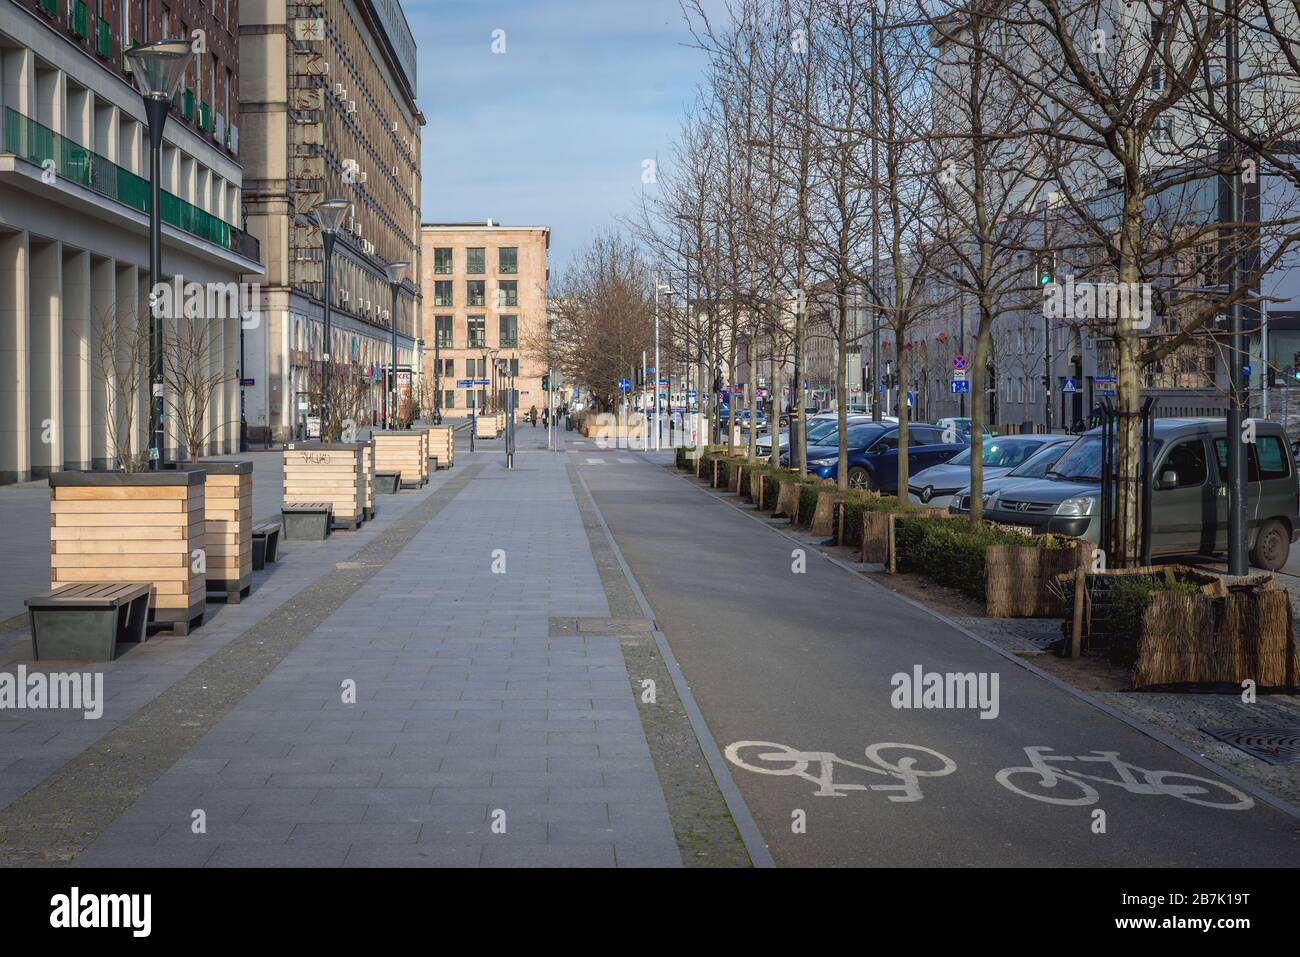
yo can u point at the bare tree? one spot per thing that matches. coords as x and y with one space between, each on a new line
121 334
194 373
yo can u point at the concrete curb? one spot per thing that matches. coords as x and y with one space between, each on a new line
759 855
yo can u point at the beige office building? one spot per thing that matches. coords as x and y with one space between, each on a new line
327 98
484 290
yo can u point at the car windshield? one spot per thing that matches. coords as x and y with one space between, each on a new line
817 430
1082 461
1036 465
998 454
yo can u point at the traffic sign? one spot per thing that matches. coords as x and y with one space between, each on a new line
959 362
624 385
959 375
1069 384
960 387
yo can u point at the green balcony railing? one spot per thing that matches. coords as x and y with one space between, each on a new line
77 17
103 39
204 115
36 143
187 104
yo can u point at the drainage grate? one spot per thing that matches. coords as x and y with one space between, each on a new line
1274 745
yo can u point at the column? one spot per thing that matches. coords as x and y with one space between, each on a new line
15 335
45 416
103 304
78 360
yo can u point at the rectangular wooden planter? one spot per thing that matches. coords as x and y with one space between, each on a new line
485 427
228 526
403 451
368 475
133 527
442 445
822 523
787 500
332 472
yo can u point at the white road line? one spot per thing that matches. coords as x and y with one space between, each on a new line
595 461
628 461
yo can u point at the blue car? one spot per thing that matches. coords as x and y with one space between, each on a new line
873 453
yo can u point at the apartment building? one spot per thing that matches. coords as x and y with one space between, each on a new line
328 105
484 299
74 222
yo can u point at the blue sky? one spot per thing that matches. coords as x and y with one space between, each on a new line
552 132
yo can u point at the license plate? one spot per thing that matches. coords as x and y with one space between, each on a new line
1018 529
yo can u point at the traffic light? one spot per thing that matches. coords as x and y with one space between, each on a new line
546 383
1296 366
1046 269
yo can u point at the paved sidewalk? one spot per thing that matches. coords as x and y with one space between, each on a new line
468 714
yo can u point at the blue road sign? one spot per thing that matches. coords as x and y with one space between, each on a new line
1069 384
960 387
1245 372
464 383
624 385
691 394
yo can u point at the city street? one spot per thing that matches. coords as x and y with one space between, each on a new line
500 658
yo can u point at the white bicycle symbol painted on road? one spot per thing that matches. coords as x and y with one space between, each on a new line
1068 785
914 763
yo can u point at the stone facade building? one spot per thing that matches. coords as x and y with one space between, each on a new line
484 298
328 101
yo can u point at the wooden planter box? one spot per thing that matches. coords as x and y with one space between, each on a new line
756 486
133 527
877 529
331 472
403 451
442 445
824 515
368 476
228 527
734 476
485 427
1020 580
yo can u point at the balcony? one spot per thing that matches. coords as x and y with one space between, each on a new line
187 105
103 39
36 143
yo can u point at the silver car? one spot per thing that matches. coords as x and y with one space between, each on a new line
938 485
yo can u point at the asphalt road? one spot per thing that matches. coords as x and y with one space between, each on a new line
804 661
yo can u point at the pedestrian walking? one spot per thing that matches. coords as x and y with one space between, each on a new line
532 416
546 418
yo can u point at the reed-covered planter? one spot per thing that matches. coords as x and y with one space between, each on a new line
228 527
147 527
332 472
402 450
825 511
789 493
1020 580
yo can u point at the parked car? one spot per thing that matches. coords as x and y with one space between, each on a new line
936 486
816 424
873 453
1189 502
1034 467
963 425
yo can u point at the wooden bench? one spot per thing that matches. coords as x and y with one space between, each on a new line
387 483
307 521
266 543
85 622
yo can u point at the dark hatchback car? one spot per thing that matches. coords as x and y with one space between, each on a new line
873 453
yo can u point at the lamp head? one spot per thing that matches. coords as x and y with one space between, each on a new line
159 65
330 214
396 271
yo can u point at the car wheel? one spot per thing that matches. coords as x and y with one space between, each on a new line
1272 546
860 478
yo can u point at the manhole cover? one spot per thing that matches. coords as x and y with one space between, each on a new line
1274 745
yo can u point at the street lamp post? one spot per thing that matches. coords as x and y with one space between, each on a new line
329 215
158 67
395 271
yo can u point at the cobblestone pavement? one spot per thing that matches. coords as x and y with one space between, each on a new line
476 737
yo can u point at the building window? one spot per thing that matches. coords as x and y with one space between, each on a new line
477 332
442 328
449 399
475 261
442 293
508 260
508 329
475 292
482 398
507 293
442 261
514 367
469 368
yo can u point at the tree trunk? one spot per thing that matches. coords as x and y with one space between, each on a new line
983 346
842 391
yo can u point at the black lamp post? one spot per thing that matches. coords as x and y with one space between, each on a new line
158 67
329 215
395 271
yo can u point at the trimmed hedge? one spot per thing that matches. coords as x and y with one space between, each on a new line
811 488
857 501
951 551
